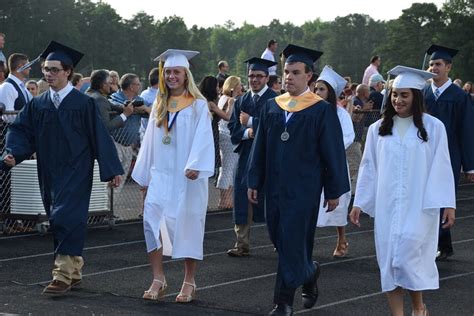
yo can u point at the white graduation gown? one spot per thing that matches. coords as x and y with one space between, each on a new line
403 182
338 217
175 205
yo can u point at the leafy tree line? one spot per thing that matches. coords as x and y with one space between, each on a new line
348 42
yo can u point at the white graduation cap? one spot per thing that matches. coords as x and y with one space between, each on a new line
176 57
408 77
333 79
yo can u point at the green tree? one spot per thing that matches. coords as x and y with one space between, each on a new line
410 35
457 33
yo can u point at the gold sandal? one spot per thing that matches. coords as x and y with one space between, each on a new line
341 250
154 295
183 298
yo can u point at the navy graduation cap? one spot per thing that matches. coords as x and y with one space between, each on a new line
294 53
63 53
441 52
57 51
261 64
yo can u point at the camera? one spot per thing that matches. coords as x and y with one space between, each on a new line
137 103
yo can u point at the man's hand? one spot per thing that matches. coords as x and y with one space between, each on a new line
354 216
331 204
142 109
448 217
244 118
128 109
251 133
191 174
115 182
252 196
9 160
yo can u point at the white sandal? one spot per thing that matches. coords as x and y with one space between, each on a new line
183 298
154 295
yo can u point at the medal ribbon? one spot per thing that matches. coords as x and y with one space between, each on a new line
170 125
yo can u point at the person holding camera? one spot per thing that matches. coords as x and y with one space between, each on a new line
128 136
99 90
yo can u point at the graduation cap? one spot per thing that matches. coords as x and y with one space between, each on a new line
408 77
336 81
60 52
261 64
176 57
440 52
294 53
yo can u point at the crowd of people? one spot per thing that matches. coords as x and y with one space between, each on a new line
287 151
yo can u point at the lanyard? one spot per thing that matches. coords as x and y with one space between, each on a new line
170 124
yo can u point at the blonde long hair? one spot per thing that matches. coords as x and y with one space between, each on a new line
161 102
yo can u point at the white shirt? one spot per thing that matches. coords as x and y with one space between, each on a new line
268 55
8 93
402 124
149 96
442 88
369 71
62 93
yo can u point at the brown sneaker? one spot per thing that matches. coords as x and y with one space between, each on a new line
56 287
238 252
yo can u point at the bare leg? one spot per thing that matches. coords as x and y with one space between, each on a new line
158 284
395 300
417 302
156 262
342 245
341 234
186 294
190 266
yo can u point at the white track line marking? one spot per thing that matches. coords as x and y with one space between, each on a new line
356 298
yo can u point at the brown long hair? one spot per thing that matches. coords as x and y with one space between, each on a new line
418 108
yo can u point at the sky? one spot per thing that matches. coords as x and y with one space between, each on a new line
208 13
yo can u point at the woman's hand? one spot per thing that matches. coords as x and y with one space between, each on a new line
448 217
354 216
191 174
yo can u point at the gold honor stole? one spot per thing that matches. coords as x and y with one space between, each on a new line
299 103
176 104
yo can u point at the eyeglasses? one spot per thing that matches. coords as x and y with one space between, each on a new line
258 77
52 70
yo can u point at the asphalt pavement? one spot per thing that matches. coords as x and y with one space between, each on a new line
116 273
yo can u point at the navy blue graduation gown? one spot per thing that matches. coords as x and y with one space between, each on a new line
242 147
292 174
455 109
66 141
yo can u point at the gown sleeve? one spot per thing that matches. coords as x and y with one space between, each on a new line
257 166
202 155
236 129
142 169
335 180
348 133
440 189
367 178
467 132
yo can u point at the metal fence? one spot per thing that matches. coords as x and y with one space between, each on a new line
126 202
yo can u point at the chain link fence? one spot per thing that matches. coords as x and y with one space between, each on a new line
126 202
